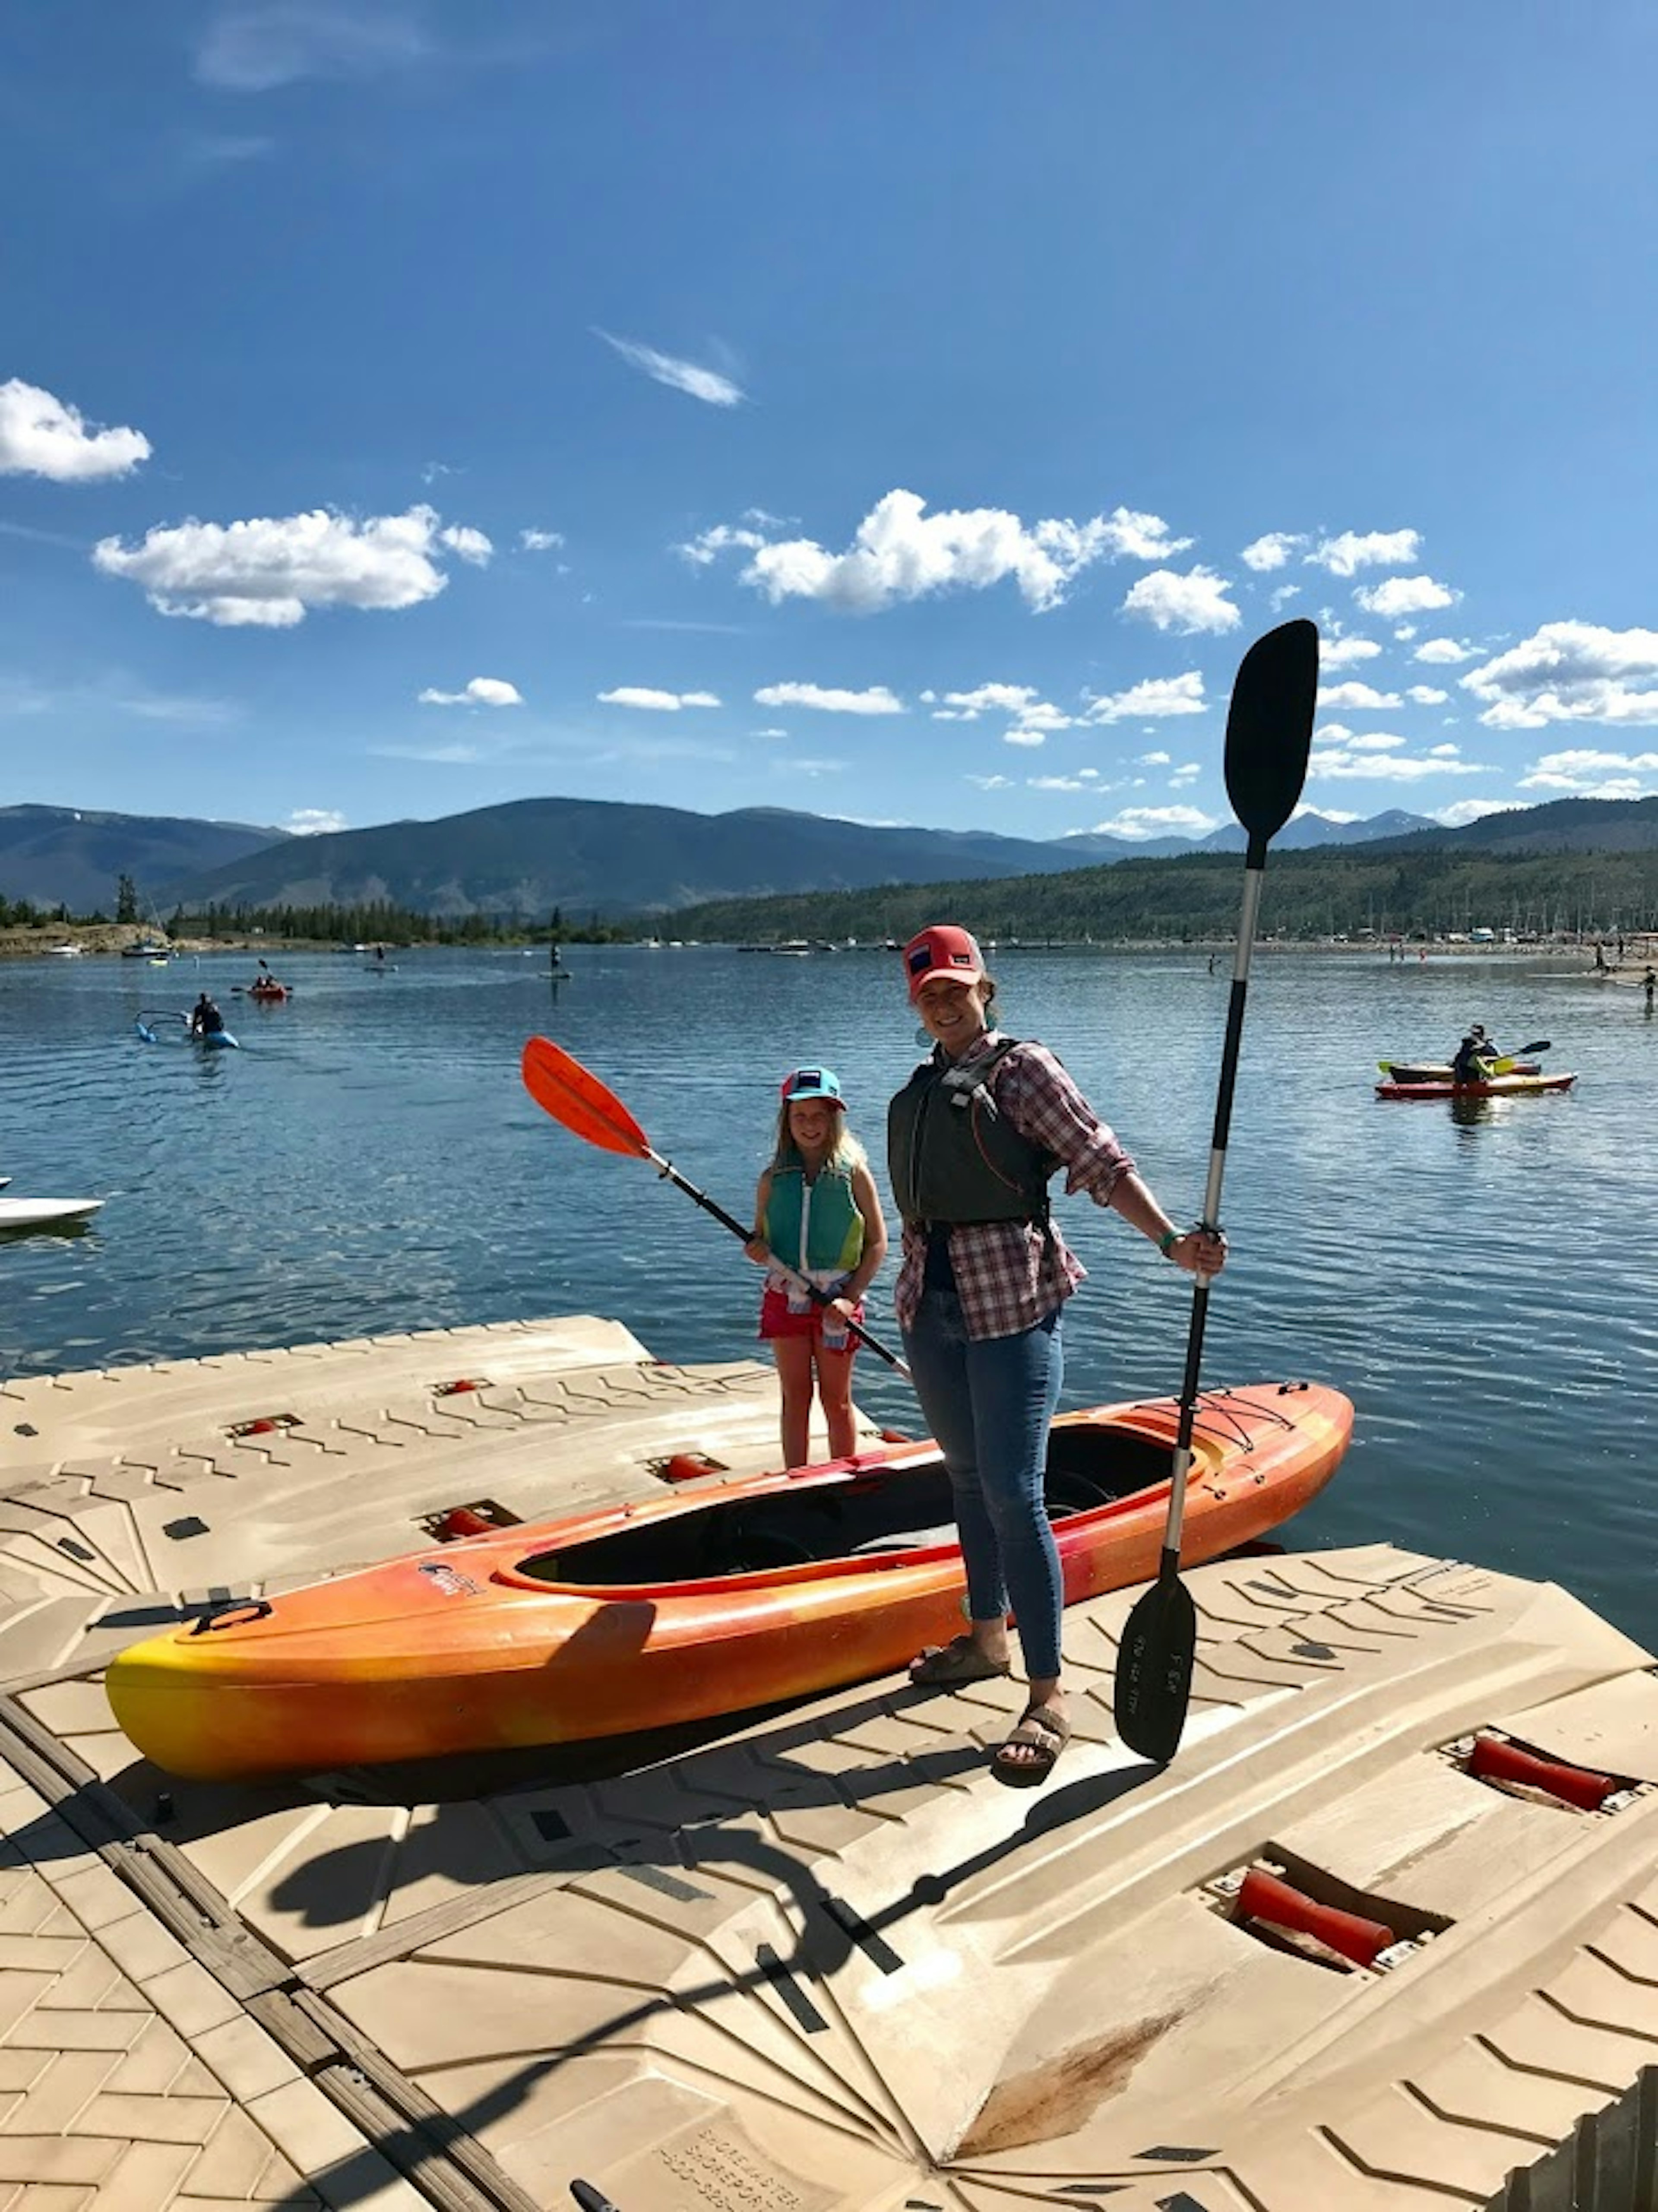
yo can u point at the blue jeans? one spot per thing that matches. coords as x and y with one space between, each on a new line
988 1402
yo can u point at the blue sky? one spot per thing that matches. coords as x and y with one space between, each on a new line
907 413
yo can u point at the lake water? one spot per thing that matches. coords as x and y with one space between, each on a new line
1484 1288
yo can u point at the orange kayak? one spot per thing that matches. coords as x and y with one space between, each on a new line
691 1605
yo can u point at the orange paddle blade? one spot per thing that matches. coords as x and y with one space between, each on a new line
574 1094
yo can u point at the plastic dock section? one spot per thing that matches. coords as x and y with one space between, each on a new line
1385 1936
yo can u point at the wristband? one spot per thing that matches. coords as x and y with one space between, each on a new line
1166 1241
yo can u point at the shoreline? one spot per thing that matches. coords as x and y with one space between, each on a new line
109 941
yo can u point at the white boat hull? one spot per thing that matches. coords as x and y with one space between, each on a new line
43 1212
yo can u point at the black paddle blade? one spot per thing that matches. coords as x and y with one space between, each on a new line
1269 730
589 2198
1154 1670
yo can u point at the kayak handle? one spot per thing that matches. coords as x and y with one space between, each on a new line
241 1615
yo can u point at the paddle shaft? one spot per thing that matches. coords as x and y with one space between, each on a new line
1254 876
1269 733
815 1291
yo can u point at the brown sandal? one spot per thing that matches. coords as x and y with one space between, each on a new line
952 1665
1041 1731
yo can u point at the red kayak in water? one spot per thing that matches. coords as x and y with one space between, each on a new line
1498 1086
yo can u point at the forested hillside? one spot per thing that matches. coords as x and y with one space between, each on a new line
1338 890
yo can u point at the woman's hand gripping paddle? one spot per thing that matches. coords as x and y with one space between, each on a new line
574 1094
1269 734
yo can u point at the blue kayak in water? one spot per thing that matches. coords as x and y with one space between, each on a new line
220 1040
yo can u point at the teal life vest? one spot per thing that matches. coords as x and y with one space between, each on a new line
814 1227
954 1157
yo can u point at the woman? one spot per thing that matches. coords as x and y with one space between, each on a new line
972 1141
815 1211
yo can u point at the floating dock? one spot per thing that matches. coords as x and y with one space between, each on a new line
823 1961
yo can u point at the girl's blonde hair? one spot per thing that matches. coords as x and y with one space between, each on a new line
845 1154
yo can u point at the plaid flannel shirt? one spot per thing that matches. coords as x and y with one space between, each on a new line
1009 1274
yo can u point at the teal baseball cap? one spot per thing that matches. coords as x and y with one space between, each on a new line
812 1083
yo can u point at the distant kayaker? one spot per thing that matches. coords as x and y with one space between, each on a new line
205 1020
972 1141
1649 984
1474 1058
816 1215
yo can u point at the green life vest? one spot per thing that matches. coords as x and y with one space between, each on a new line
815 1227
954 1157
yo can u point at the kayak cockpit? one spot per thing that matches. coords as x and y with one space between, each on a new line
863 1516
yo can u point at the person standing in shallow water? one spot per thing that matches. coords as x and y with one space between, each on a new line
973 1139
816 1211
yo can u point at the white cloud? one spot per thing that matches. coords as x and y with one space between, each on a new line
1195 601
1041 714
995 698
261 44
1349 695
724 537
655 702
1367 548
540 541
1133 537
456 753
1024 734
481 691
1324 813
1152 700
816 767
313 822
471 545
768 733
1282 597
269 571
1270 551
1054 783
1405 595
1346 652
1157 822
1464 811
1152 760
1592 774
1442 651
42 436
877 700
991 782
704 383
900 552
1339 757
1188 772
1570 672
1426 695
1406 632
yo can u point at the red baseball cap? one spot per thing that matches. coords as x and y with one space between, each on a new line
943 950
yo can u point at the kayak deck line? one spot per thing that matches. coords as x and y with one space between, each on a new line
820 1959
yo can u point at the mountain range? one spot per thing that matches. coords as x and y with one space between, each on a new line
588 856
72 855
612 858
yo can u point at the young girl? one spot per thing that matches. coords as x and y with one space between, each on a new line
816 1214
